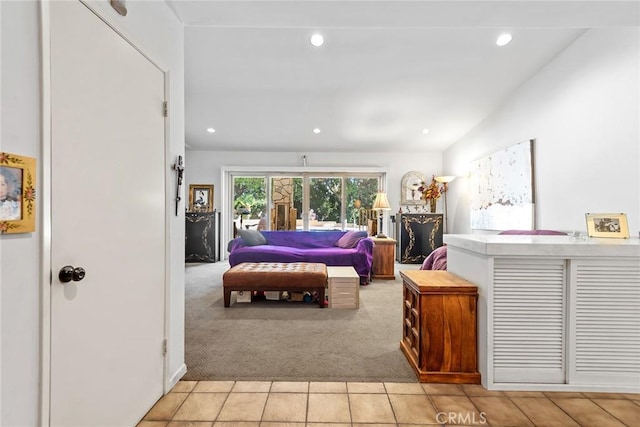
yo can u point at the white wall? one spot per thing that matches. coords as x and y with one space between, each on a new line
583 110
154 28
19 253
204 167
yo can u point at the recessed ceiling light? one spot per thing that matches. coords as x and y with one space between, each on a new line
425 131
504 39
317 131
211 130
317 40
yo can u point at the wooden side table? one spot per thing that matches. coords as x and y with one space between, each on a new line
439 333
384 255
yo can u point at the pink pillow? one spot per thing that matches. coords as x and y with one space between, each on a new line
350 239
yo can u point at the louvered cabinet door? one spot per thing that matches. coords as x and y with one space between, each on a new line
605 323
528 320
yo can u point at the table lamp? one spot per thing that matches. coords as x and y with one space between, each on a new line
445 180
381 204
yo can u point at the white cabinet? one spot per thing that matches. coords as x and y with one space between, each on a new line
605 338
528 320
344 287
554 313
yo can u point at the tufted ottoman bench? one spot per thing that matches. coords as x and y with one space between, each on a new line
275 276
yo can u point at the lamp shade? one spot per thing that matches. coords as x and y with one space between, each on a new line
381 203
445 179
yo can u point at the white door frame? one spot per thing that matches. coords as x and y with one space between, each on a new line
44 198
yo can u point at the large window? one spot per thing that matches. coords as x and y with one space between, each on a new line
304 201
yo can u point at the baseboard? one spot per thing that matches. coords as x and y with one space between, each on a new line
176 377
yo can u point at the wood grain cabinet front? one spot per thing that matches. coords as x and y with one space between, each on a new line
439 331
383 258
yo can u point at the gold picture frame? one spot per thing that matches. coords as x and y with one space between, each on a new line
17 194
611 225
200 198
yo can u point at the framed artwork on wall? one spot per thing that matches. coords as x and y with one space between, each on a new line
612 225
200 198
501 189
17 194
409 194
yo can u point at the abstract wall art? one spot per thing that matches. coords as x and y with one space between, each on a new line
502 191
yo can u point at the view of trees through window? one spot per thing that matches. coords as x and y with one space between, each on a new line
334 201
250 193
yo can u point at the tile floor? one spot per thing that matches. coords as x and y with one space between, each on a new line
350 404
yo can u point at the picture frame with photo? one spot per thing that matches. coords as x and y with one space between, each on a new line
610 225
200 198
17 194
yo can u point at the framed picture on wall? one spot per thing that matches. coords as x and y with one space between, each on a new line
200 198
612 225
17 194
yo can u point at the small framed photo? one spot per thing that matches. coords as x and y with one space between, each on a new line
200 198
612 225
17 194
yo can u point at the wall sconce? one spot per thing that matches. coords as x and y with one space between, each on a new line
445 180
381 204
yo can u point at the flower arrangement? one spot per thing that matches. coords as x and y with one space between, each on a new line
431 191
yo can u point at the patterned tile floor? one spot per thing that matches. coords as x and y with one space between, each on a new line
346 404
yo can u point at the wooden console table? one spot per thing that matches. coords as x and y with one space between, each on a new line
439 331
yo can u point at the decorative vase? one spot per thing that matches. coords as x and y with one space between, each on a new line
432 205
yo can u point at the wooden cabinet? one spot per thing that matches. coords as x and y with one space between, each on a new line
439 326
418 235
383 258
201 237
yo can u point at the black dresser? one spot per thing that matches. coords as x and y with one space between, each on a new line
417 235
202 241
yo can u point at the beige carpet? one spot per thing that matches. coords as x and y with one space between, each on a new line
285 341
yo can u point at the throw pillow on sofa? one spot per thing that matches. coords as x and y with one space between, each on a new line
252 237
351 239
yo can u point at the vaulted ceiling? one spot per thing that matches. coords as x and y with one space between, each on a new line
387 70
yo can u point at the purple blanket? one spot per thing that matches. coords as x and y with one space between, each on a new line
436 260
306 246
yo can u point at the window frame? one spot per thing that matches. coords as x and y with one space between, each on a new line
230 173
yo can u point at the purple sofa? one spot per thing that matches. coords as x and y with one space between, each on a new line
305 246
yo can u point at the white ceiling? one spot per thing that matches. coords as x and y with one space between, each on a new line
387 69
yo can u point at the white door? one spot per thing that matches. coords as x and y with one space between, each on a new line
108 217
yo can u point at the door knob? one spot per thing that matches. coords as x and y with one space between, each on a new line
68 274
